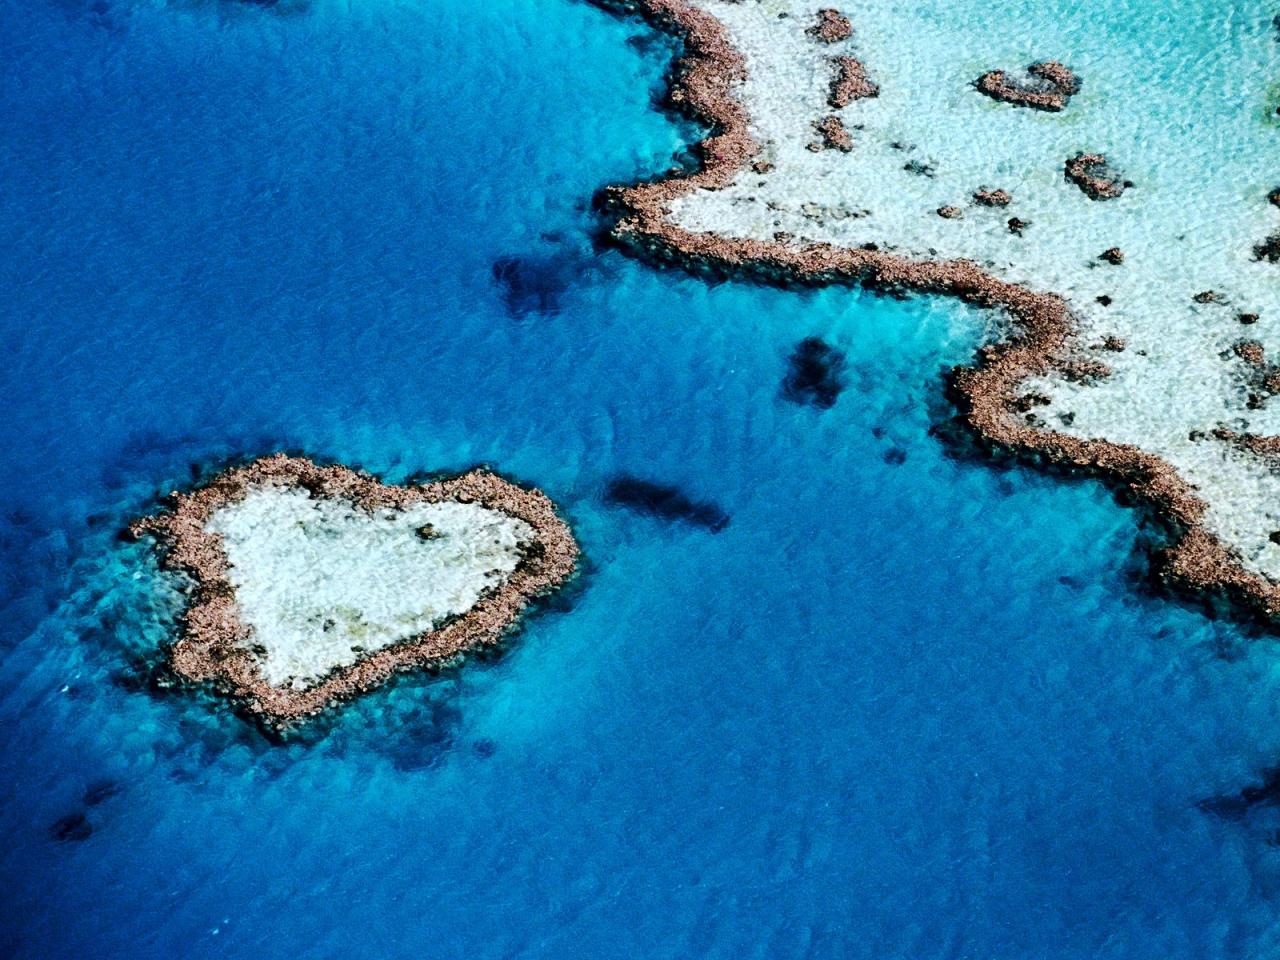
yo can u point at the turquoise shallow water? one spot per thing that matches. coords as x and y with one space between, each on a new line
902 705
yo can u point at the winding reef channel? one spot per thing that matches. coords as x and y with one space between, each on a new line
315 583
1127 257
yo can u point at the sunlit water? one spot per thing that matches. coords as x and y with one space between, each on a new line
902 705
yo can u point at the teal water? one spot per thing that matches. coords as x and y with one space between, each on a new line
903 705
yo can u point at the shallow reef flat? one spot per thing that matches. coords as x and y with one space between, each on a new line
1087 173
314 583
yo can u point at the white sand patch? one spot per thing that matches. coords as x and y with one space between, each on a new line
1175 94
321 582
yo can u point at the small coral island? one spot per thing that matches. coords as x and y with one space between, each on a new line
316 583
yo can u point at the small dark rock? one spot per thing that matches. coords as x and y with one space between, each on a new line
1247 318
1017 225
1112 255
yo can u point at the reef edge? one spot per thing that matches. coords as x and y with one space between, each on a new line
701 86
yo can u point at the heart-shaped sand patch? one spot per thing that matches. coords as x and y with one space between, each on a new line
315 583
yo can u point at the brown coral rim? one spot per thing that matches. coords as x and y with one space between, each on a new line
212 646
705 81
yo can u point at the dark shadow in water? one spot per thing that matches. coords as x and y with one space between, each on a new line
419 738
97 13
34 558
663 502
815 374
72 828
534 284
99 791
530 285
1236 806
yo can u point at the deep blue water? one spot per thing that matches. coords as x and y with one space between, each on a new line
903 705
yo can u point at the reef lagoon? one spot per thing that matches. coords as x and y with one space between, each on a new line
830 682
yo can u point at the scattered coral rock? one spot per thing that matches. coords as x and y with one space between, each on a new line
950 213
992 198
1207 296
1268 249
832 26
1093 174
1049 86
834 135
851 83
1113 343
1251 352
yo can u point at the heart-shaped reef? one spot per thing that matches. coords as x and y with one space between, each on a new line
316 583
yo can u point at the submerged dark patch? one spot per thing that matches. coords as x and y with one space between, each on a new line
1234 806
425 739
816 375
72 828
531 285
665 503
100 791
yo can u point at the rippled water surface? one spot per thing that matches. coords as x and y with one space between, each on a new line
902 704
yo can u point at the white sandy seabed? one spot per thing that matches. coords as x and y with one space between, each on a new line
1175 93
321 583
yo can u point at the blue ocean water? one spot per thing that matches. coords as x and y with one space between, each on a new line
905 704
